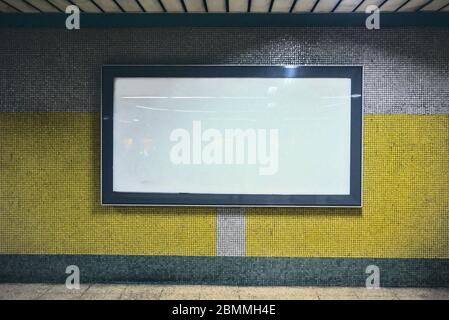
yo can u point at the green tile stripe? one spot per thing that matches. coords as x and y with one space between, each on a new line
302 19
225 270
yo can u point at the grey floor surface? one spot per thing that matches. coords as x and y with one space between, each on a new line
14 291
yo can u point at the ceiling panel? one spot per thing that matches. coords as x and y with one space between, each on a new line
392 5
216 5
151 5
277 6
86 5
366 3
238 5
260 5
282 5
435 5
21 6
413 5
44 6
348 5
108 5
173 5
304 5
195 5
129 5
326 6
6 8
60 4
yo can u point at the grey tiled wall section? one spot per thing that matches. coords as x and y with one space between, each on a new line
231 232
406 70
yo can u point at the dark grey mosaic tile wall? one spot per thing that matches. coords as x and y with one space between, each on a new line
406 70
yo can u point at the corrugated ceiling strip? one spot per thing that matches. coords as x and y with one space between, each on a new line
4 7
325 6
428 2
216 5
195 5
403 4
282 6
108 5
173 5
348 5
321 6
260 5
336 6
87 6
315 5
142 9
414 5
238 5
435 5
61 4
358 6
293 6
22 6
33 6
392 5
305 5
184 8
367 3
444 7
220 5
43 5
164 9
129 5
119 5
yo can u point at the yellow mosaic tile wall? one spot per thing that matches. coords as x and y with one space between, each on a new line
50 191
49 199
405 210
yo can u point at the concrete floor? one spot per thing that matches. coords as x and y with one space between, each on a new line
155 292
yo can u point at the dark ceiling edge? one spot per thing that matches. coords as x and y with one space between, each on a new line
122 20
